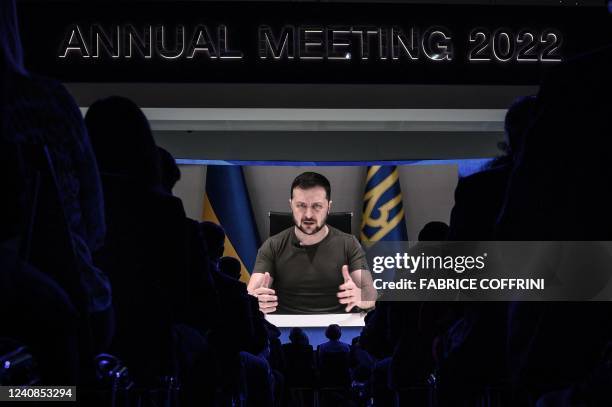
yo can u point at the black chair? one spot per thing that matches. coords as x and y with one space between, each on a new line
423 395
299 365
300 377
334 369
280 221
334 378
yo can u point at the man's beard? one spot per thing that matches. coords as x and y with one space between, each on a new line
314 231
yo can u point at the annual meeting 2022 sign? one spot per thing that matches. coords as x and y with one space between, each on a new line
304 42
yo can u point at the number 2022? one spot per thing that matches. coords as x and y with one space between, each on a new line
523 46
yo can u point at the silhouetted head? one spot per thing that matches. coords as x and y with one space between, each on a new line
434 232
333 332
230 266
11 53
170 172
298 336
122 140
517 121
214 236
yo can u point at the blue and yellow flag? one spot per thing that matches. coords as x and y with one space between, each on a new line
227 203
383 211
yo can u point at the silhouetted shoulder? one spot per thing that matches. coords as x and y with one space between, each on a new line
474 183
595 61
579 76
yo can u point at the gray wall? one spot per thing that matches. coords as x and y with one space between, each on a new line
427 192
190 189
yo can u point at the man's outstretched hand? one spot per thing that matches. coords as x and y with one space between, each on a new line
350 293
268 301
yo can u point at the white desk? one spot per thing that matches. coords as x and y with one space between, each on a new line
321 320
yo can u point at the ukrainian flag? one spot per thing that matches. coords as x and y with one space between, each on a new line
383 211
227 203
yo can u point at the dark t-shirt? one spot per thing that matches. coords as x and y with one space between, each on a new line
306 278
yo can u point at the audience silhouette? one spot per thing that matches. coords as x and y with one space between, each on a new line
558 190
480 196
64 220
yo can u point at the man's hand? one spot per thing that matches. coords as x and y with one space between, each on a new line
351 293
265 295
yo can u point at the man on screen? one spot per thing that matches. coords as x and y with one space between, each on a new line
311 268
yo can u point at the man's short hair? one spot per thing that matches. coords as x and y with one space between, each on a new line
307 180
298 336
214 236
434 231
333 332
